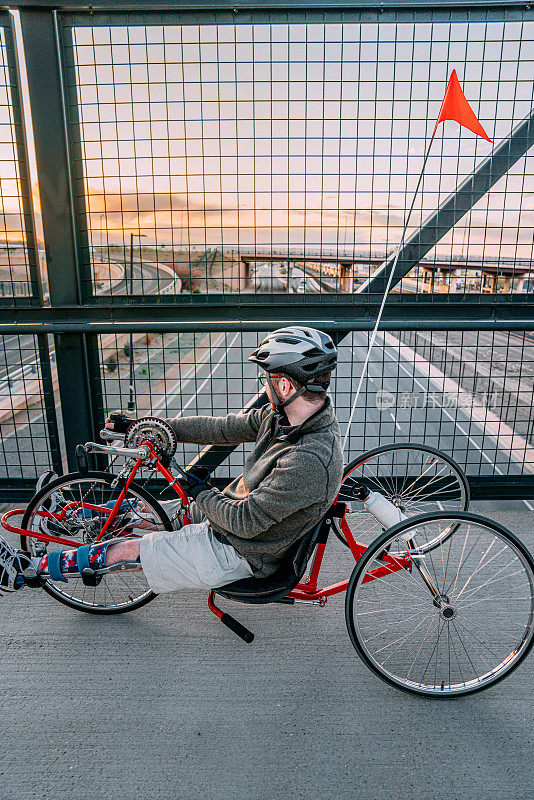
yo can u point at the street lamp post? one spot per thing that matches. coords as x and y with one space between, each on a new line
131 400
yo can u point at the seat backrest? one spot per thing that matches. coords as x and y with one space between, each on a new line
304 550
267 590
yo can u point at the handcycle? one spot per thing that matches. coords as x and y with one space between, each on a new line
440 601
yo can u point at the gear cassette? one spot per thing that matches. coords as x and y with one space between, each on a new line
154 430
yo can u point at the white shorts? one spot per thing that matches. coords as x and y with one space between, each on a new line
190 558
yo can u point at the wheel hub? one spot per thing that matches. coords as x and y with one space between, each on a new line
446 611
396 499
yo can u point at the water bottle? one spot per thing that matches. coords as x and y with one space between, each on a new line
383 510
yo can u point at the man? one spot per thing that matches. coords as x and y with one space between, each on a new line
289 480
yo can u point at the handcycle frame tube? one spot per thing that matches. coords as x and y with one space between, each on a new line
120 498
174 483
356 548
308 591
161 469
41 537
112 513
303 591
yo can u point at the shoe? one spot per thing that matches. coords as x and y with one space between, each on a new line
12 565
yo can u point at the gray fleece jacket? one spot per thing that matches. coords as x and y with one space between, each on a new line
289 480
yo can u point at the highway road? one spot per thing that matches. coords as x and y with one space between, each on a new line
416 412
269 278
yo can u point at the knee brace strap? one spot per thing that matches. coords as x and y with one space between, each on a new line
82 558
53 566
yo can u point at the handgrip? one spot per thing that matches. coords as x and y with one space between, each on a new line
81 459
236 627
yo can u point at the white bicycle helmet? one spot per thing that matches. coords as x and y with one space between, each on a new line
299 352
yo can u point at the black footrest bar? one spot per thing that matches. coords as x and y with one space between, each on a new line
236 627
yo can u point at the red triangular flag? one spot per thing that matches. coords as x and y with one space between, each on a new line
455 106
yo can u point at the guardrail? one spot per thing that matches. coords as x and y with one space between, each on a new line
326 171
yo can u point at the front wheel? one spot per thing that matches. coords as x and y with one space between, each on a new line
75 507
447 622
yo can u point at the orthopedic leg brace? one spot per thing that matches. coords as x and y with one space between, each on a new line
88 560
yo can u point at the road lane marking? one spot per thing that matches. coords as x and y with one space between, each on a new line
182 382
470 439
393 417
225 355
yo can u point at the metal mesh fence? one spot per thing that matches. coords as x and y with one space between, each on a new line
468 393
232 146
220 161
28 432
17 250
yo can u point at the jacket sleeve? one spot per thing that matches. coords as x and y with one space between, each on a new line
298 481
232 429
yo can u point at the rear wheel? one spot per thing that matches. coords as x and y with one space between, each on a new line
450 622
417 479
117 592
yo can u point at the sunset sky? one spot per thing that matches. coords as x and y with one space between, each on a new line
296 136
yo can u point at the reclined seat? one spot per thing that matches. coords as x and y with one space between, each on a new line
276 586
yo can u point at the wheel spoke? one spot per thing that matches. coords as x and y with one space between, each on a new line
115 590
454 643
414 477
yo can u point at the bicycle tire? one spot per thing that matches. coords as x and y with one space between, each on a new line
354 596
56 592
344 491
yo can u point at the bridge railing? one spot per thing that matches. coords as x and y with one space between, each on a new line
202 176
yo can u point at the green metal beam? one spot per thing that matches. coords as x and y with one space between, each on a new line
255 5
264 312
456 206
13 71
45 86
244 12
41 44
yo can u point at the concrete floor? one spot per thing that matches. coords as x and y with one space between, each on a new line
166 703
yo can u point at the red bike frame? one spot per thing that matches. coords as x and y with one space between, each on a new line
111 512
306 591
309 591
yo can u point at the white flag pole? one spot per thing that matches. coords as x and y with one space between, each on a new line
379 316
